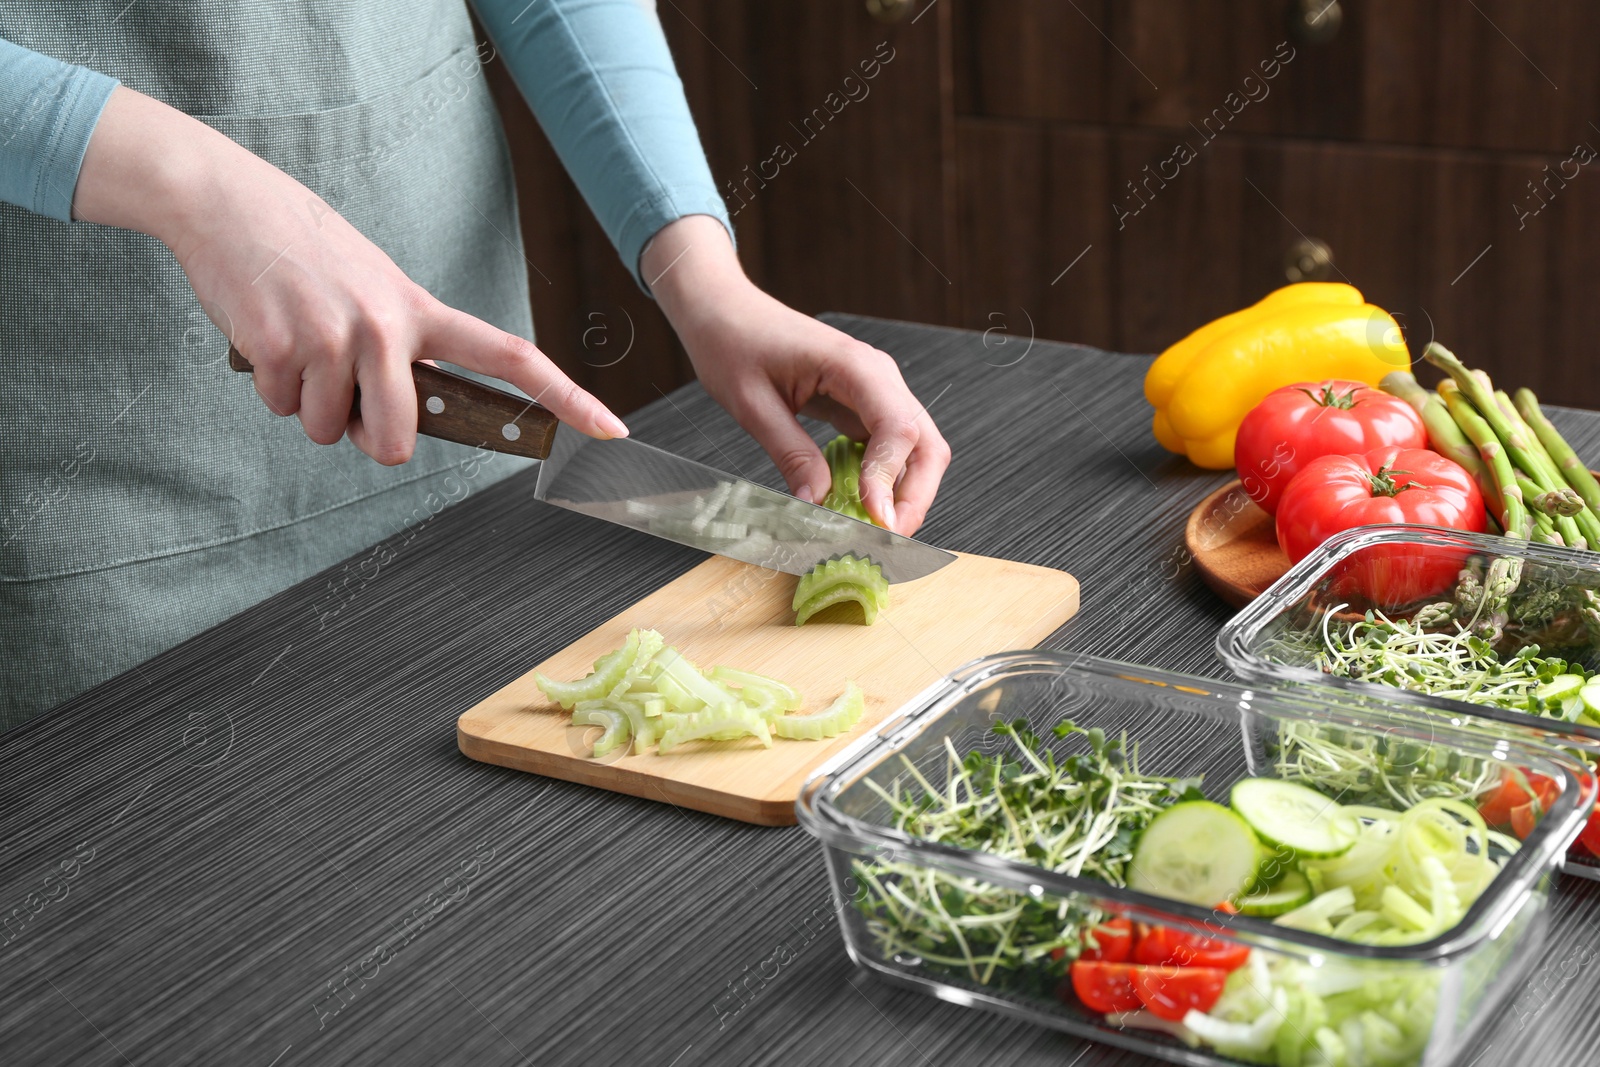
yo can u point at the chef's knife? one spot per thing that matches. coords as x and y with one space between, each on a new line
645 488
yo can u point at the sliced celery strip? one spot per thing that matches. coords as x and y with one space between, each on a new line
608 671
683 686
844 468
722 723
647 644
651 694
644 730
617 730
837 581
839 595
831 721
765 696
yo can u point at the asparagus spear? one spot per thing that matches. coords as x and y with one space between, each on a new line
1474 389
1528 457
1571 467
1547 501
1514 516
1443 433
1544 530
1573 502
1571 533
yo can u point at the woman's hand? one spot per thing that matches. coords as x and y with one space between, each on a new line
766 363
316 307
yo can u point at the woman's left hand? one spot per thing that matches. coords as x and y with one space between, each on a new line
766 363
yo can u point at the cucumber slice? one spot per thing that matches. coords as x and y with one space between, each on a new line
1590 695
1195 851
1291 891
1562 685
1293 816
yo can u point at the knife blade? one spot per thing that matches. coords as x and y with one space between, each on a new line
649 489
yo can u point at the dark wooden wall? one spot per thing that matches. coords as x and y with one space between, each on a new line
993 175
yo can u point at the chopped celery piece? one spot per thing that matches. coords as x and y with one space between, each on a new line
843 594
1400 909
836 581
617 731
608 671
844 468
713 504
648 692
644 730
767 696
647 644
1317 914
722 723
684 687
833 720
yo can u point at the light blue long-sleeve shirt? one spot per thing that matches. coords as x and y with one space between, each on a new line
597 74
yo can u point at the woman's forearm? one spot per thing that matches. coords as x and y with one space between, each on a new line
153 169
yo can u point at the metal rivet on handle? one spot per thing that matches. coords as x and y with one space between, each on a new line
435 404
511 431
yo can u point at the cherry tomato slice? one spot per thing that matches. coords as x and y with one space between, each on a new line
1180 948
1171 992
1112 941
1517 788
1105 987
1524 817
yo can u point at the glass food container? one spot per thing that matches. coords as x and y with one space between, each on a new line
989 927
1437 586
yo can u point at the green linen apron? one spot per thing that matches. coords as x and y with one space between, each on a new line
146 493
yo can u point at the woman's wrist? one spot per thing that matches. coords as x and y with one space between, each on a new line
151 168
692 269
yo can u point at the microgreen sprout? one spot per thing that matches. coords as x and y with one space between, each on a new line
1077 815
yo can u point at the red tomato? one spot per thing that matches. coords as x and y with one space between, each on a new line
1334 493
1170 992
1299 423
1105 987
1498 807
1524 817
1166 945
1590 838
1113 941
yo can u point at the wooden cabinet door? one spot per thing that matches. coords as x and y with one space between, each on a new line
828 132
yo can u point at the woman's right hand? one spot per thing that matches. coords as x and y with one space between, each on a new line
317 308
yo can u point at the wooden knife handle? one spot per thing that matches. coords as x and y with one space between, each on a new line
453 408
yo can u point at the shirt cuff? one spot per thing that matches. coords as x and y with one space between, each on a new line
79 113
55 107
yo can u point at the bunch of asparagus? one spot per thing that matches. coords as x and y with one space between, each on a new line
1533 484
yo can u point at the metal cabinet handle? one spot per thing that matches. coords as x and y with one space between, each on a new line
890 10
1314 21
1308 260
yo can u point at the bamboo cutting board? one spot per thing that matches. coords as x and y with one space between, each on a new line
738 615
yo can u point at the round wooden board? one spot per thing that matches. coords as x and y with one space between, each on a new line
1234 545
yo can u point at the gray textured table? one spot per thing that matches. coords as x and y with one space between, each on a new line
263 848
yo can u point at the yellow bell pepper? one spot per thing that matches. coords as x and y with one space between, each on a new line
1203 386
